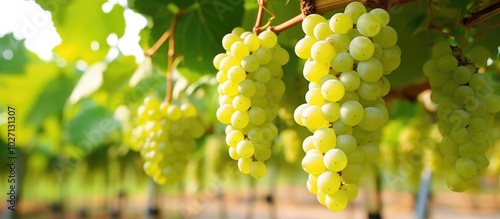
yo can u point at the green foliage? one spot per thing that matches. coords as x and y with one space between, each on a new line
81 22
198 32
19 59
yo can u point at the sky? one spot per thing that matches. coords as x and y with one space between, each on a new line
27 20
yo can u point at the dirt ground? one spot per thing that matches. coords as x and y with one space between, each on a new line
290 203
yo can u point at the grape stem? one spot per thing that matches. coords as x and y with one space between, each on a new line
170 35
171 56
260 16
480 16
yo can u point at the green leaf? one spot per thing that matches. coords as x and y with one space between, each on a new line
118 73
82 22
9 46
89 82
90 128
198 33
51 100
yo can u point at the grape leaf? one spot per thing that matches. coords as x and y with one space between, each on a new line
51 100
9 46
90 127
82 22
89 82
198 33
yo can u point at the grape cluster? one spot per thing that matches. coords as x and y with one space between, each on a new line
165 133
465 112
347 58
250 88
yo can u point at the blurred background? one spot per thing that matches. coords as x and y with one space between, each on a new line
75 73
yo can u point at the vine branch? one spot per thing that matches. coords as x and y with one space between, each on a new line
480 16
323 6
171 55
170 35
260 15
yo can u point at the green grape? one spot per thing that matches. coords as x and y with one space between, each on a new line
240 119
480 55
264 55
382 15
257 116
250 63
238 30
337 201
328 182
440 49
217 59
372 119
324 139
447 63
322 52
228 62
335 160
369 91
297 114
341 128
352 173
244 165
236 74
252 42
463 94
368 25
310 22
331 111
228 40
302 48
322 30
311 184
390 60
355 10
455 182
332 90
351 190
361 48
386 38
245 148
351 113
280 56
239 50
340 42
342 62
347 143
263 75
344 108
461 75
314 71
370 70
312 162
321 197
466 167
313 97
257 169
340 23
350 79
268 39
247 88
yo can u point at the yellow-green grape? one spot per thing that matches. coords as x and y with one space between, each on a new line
346 60
464 105
250 88
166 134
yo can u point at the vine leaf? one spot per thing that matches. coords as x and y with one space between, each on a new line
90 128
16 63
81 23
90 82
199 31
